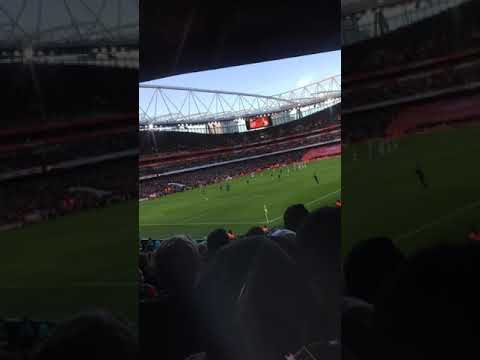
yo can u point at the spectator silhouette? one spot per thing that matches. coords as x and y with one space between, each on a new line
319 256
367 266
169 322
255 231
175 265
95 336
430 308
215 240
255 302
294 216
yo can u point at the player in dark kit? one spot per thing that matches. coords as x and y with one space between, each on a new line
316 178
421 176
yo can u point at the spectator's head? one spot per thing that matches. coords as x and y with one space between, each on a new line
319 255
92 336
255 231
176 264
215 240
294 216
430 309
320 235
367 266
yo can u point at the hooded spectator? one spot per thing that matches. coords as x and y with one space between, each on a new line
175 264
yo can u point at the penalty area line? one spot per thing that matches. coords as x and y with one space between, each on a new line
309 203
237 223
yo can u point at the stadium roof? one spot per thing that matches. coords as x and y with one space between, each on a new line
58 24
197 106
354 6
192 36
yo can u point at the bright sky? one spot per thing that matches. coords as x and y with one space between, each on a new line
266 78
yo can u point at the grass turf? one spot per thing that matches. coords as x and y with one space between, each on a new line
57 268
196 213
383 197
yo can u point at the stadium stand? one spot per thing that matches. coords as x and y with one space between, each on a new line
191 141
437 72
49 157
40 197
67 145
253 152
211 293
211 308
422 77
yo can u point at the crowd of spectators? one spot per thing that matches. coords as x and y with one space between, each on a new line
44 93
30 146
244 295
160 141
62 192
47 155
89 335
437 54
438 36
419 305
413 83
416 307
265 294
227 155
192 179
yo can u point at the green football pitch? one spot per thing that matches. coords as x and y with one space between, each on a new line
196 212
382 195
80 262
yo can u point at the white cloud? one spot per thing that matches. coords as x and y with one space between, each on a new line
304 81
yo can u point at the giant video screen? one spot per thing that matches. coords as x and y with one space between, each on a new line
258 122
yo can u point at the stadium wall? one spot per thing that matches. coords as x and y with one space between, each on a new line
304 147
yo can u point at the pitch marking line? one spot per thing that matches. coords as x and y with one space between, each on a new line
310 203
242 223
439 220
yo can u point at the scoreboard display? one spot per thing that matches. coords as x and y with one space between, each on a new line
258 122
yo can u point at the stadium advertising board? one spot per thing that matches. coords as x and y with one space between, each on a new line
258 122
